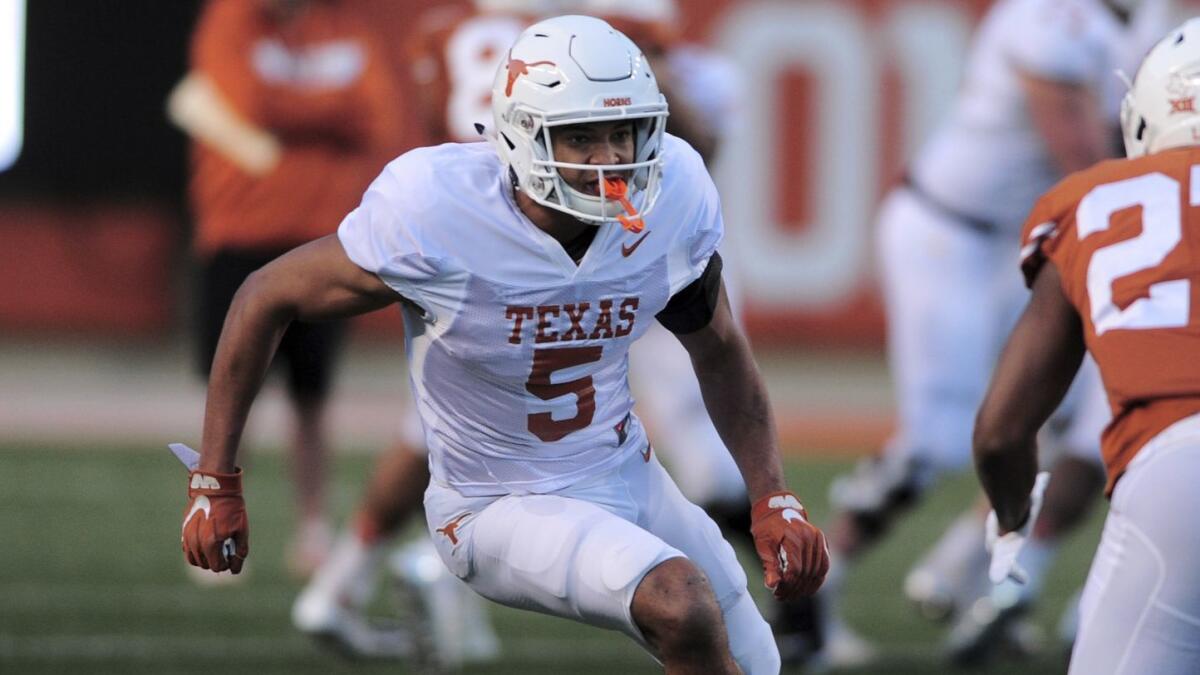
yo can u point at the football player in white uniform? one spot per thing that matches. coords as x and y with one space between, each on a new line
453 57
523 278
1039 99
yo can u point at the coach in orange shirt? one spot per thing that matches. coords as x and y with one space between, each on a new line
292 109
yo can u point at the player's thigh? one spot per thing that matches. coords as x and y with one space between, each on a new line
935 273
666 513
1140 611
938 284
547 553
309 352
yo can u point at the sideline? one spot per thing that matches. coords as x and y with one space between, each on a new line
834 404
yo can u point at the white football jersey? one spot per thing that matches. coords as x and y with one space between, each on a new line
518 362
986 160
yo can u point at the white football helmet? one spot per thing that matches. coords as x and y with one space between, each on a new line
1159 111
571 70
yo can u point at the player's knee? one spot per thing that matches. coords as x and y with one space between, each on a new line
676 610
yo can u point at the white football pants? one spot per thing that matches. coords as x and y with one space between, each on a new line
580 553
952 295
1140 611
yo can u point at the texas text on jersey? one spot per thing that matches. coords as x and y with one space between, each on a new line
498 312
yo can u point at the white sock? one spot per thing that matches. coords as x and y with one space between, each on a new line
352 569
750 639
952 556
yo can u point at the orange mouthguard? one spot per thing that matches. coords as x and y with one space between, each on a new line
616 188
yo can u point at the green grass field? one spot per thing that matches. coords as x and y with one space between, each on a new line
92 580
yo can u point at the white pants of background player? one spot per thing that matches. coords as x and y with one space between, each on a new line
952 295
668 397
579 553
1140 611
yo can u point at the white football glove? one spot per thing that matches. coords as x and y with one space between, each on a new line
1005 549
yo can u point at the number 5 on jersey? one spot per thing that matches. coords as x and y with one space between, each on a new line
545 363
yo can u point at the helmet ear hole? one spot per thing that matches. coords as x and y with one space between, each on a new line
1141 131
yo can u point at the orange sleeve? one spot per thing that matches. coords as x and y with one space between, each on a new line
1040 236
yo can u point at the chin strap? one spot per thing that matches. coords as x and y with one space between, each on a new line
616 188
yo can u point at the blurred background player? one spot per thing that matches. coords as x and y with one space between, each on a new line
453 53
1038 100
454 56
292 108
1110 254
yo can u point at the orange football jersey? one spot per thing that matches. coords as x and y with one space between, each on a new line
1125 237
453 54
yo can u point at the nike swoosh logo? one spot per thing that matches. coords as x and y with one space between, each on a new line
200 504
627 251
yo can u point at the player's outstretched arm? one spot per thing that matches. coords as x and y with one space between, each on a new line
314 282
793 551
1033 374
736 398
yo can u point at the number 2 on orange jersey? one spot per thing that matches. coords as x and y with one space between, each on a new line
1167 302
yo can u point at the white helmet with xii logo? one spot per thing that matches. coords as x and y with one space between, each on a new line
573 70
1159 111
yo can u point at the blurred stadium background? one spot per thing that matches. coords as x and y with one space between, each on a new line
95 360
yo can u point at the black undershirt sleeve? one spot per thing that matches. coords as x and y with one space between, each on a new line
692 308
